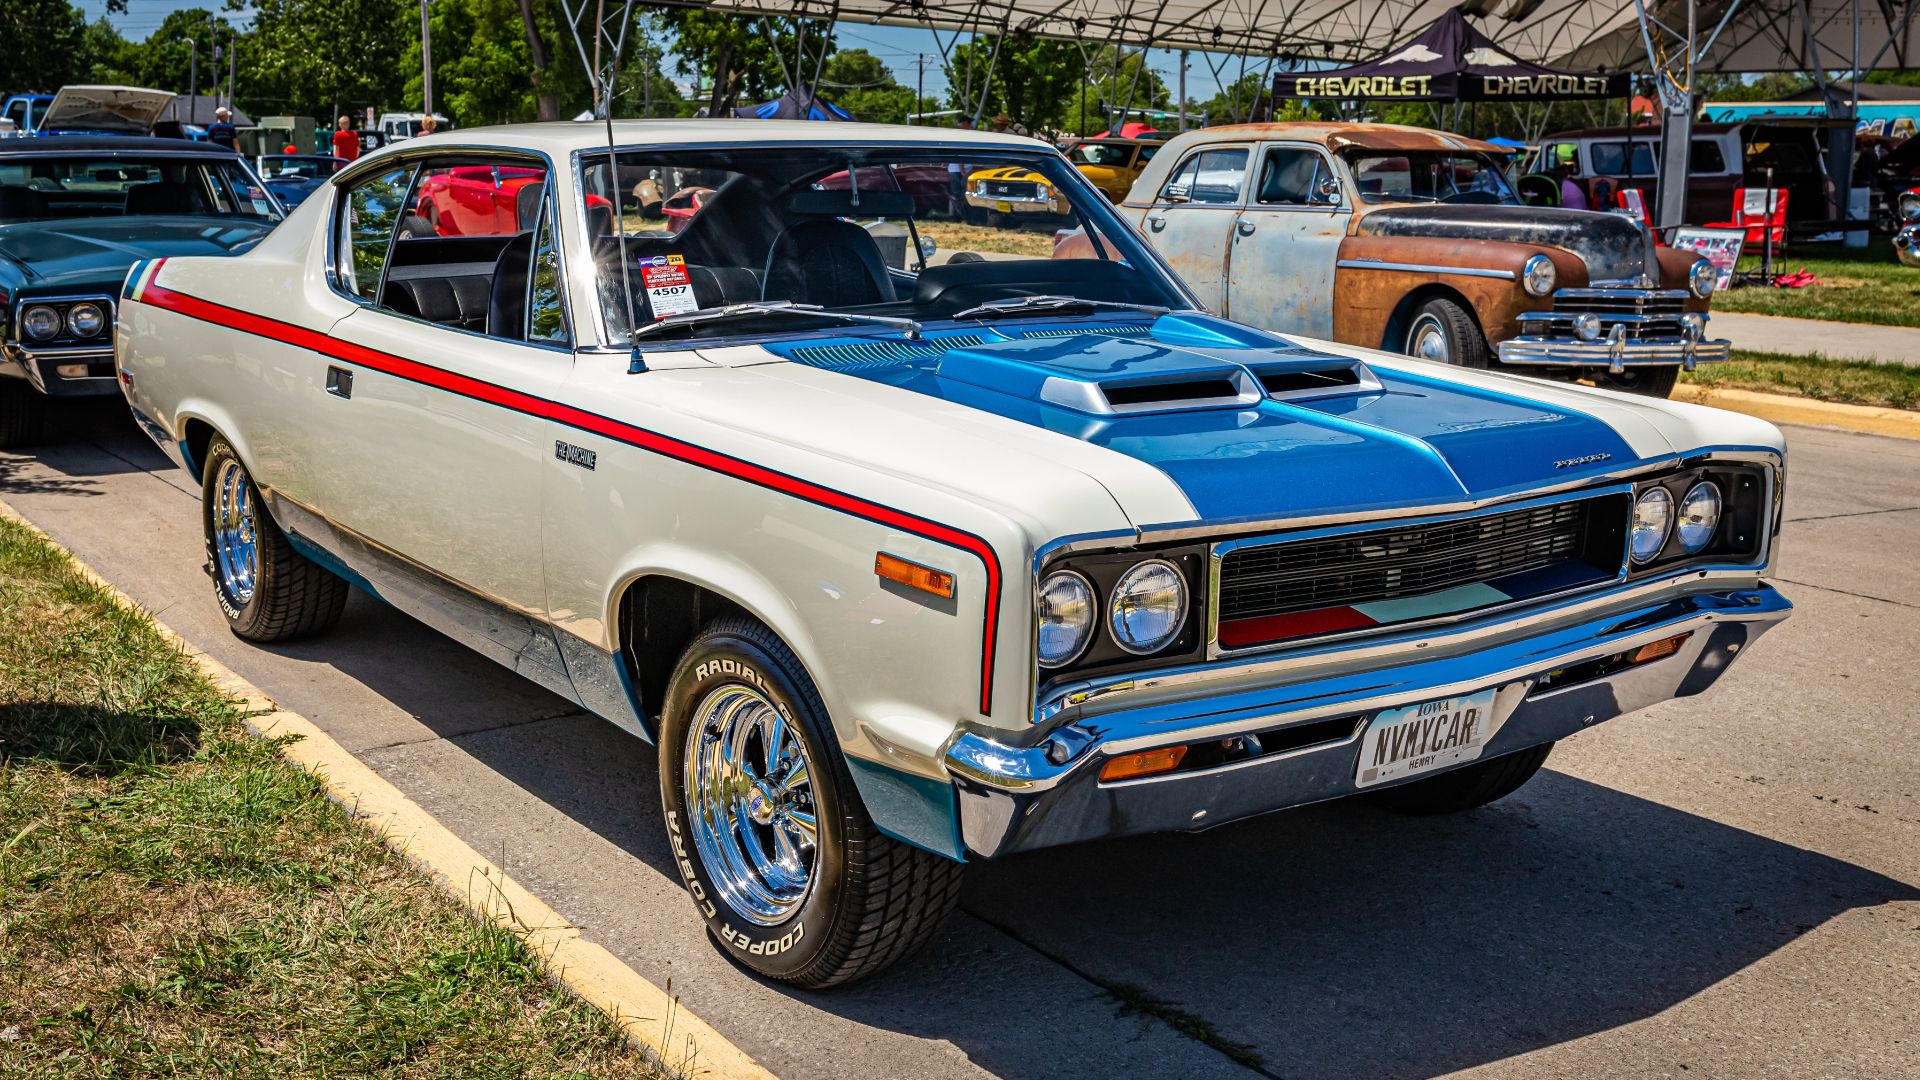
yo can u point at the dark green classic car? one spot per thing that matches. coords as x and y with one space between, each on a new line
76 211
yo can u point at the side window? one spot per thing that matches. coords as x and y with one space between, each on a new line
1291 176
1610 158
1208 177
1704 158
369 214
546 310
463 257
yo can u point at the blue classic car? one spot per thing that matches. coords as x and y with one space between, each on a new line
75 212
293 177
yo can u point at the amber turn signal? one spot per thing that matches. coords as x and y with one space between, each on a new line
1144 763
913 575
1654 650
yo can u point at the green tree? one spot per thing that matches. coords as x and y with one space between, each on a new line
166 58
746 59
862 84
44 41
1116 78
105 56
311 56
1036 81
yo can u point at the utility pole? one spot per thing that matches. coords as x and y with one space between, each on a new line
193 82
233 61
1183 90
426 61
919 84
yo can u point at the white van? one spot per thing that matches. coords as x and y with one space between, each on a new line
397 126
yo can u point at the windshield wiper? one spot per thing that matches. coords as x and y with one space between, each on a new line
1022 304
772 307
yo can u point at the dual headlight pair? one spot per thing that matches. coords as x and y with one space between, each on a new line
1143 615
43 322
1655 518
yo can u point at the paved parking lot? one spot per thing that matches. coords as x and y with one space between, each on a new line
1723 886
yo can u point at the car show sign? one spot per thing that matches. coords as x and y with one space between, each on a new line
1721 247
1450 61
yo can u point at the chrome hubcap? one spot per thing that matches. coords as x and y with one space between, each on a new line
750 804
235 550
1428 341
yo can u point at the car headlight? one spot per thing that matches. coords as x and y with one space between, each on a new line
1652 519
1909 206
86 320
1587 326
1699 516
1538 275
40 322
1702 278
1149 607
1066 617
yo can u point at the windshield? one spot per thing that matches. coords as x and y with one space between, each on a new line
903 232
1429 176
82 186
1100 154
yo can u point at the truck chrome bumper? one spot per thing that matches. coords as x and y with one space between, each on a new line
1615 355
1550 685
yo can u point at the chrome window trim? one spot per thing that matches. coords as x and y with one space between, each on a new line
1424 268
1238 202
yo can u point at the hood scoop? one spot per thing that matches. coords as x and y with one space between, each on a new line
1114 376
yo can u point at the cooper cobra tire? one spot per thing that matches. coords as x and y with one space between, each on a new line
1466 787
1651 382
23 412
267 590
772 841
1444 332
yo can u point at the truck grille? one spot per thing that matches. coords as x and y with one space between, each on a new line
1646 313
1377 577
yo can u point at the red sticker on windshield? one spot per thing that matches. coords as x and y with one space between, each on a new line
668 290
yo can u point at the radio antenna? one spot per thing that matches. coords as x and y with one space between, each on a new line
605 79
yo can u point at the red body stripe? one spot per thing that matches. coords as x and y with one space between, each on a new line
1238 632
494 394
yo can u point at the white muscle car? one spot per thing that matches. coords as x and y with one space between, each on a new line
908 556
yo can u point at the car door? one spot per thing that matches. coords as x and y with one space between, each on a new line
1286 242
441 441
1192 218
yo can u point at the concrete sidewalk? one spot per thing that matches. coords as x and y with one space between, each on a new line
1836 340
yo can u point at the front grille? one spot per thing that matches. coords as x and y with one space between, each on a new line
1569 542
1646 313
1012 189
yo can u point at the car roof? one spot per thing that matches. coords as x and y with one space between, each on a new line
1646 131
558 138
141 144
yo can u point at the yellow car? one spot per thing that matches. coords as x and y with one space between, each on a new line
1007 190
1112 165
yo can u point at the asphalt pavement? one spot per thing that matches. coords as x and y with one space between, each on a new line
1725 886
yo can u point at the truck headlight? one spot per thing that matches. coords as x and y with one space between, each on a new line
1702 278
86 320
1066 617
1699 516
1652 519
1538 275
40 322
1149 607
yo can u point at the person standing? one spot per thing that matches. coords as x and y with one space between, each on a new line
346 141
221 130
429 125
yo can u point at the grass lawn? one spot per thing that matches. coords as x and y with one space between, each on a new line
177 899
1862 285
1857 382
1035 243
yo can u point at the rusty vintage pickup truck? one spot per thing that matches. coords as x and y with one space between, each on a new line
1414 241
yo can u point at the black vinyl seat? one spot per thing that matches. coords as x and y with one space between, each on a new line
829 262
163 198
507 297
21 203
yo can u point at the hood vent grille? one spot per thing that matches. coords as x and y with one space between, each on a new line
1167 392
1136 330
870 355
1286 382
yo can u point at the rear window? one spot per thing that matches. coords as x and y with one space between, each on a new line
1622 158
80 186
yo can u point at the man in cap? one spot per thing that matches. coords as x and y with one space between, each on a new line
221 130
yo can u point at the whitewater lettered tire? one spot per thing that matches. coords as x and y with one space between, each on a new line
772 841
267 590
1466 787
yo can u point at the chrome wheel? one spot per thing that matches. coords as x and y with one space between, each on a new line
1428 340
750 803
236 553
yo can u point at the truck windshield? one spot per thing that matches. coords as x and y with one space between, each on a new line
1429 176
896 235
81 186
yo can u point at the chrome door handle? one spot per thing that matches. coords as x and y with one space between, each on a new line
1244 227
339 382
1156 222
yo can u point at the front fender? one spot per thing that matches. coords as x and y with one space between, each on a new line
1377 274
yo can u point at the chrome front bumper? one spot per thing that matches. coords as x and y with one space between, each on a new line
1016 798
1616 354
1015 204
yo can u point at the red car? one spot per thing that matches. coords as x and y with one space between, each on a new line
475 200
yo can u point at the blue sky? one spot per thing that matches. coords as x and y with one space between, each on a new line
896 46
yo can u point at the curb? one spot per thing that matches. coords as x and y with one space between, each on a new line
652 1018
1785 409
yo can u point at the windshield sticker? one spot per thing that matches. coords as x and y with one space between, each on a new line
665 279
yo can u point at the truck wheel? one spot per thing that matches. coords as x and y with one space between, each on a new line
268 591
23 413
1443 331
772 841
1652 382
1466 787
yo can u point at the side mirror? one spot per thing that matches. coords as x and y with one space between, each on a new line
1329 191
928 247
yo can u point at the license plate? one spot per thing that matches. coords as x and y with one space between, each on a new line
1421 738
1003 207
